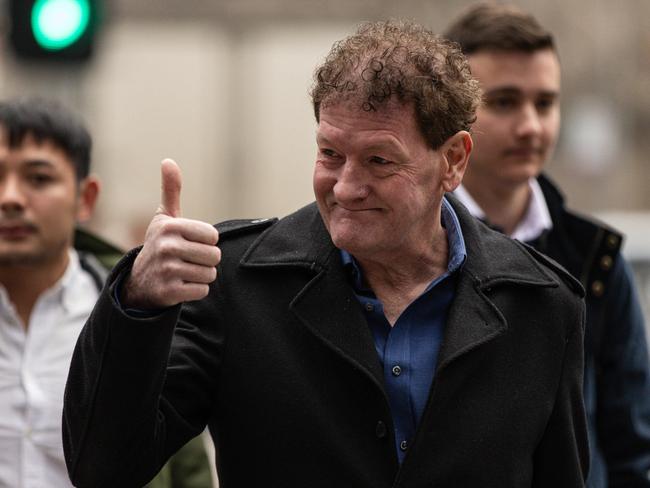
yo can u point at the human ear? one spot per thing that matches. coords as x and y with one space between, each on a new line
87 198
456 151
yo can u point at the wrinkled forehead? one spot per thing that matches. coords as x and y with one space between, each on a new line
348 126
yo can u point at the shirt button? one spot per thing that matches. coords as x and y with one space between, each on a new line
369 307
403 445
397 370
380 430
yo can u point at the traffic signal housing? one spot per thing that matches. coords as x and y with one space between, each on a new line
54 30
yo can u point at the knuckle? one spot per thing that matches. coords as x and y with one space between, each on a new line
169 270
167 247
169 226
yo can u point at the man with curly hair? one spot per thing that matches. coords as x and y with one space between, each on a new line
516 62
378 337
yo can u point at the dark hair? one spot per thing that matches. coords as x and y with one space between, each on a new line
493 26
404 61
47 120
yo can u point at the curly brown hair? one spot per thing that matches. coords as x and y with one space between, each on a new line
404 61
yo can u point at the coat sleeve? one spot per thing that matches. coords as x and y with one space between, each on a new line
561 459
623 385
126 404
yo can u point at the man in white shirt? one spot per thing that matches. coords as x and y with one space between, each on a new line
515 60
47 291
45 294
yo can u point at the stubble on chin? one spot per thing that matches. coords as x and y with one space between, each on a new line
32 257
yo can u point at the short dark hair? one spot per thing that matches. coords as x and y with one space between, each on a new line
500 27
47 120
404 61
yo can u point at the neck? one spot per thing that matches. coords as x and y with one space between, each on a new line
504 206
402 278
25 283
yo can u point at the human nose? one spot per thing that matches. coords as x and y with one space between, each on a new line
12 197
529 123
352 182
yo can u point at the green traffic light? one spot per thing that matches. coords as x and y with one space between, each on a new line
59 23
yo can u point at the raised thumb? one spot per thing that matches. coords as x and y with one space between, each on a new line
170 198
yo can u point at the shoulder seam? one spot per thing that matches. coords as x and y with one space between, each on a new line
565 276
235 227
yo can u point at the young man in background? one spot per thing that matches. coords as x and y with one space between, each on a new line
516 62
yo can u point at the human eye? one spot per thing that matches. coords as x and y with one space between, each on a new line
328 153
329 157
502 103
545 104
39 179
379 160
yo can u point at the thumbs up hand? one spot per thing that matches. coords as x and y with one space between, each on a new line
178 260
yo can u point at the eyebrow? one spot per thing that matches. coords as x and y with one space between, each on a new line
38 163
322 139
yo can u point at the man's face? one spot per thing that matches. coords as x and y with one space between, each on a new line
517 126
39 202
377 183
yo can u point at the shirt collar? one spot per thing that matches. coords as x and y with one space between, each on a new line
63 291
457 250
69 281
535 222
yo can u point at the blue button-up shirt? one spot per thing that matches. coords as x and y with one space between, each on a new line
408 351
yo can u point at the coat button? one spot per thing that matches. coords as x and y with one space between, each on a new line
403 445
396 370
612 241
597 288
380 430
369 307
606 262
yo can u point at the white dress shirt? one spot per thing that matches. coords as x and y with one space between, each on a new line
536 220
34 365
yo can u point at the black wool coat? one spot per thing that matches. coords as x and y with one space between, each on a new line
279 362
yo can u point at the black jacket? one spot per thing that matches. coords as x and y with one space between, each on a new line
279 362
189 467
617 369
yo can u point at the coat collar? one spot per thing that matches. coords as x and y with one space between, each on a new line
327 305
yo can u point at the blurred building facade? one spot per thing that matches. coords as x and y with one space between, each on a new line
222 87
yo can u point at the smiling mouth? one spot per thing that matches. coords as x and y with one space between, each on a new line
354 211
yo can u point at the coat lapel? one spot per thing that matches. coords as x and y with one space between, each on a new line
326 305
472 321
329 309
492 260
